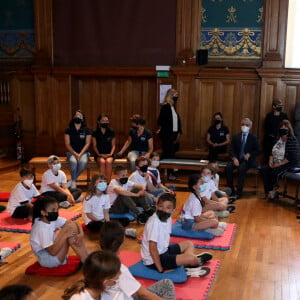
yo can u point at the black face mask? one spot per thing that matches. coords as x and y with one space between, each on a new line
77 120
283 131
52 216
279 108
217 122
104 125
162 215
144 168
123 180
175 98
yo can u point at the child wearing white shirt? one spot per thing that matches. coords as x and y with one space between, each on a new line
19 203
112 238
192 216
156 251
54 184
126 195
51 249
96 204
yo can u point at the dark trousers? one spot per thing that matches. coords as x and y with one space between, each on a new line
271 176
125 203
213 152
269 142
169 148
242 170
60 197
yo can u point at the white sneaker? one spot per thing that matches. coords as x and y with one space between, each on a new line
197 272
69 183
222 225
222 214
79 199
215 231
64 204
4 252
131 232
73 184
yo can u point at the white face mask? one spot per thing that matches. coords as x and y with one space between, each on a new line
155 163
56 167
28 182
245 129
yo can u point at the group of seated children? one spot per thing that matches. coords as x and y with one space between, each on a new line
200 212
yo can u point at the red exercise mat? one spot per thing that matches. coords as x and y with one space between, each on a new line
4 196
72 265
193 288
7 223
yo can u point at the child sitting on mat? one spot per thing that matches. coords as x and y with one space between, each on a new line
111 239
51 249
54 184
212 201
126 195
19 203
96 204
192 217
155 176
156 251
140 176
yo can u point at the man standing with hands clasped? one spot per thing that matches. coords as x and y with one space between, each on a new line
244 149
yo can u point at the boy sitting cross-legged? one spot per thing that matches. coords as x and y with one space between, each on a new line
126 195
156 251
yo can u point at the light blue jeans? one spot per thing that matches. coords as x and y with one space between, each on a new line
77 167
132 156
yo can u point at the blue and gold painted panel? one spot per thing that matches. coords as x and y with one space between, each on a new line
16 29
232 28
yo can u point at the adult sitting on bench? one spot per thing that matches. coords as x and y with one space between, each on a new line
285 156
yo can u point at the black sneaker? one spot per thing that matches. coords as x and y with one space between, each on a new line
204 257
142 218
231 208
150 212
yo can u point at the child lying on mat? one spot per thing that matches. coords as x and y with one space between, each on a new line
19 203
156 251
111 239
96 204
51 249
192 216
214 201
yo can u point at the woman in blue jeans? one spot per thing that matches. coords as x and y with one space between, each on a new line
77 140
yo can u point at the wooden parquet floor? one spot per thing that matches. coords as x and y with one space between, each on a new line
263 263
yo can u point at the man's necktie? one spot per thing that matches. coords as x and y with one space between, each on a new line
242 152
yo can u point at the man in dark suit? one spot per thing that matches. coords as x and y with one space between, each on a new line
244 149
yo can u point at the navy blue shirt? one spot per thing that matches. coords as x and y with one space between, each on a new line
218 135
77 137
104 141
140 143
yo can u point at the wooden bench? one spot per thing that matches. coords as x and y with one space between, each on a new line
41 163
197 165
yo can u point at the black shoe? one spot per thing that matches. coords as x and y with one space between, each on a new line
150 212
298 217
231 208
231 200
123 221
142 218
204 257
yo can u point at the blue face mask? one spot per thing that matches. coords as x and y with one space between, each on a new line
206 178
202 188
101 186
